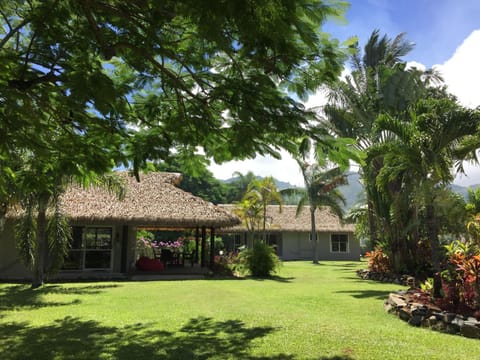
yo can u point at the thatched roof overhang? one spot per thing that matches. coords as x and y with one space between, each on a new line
155 201
287 221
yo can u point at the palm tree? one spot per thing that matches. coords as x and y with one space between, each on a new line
321 190
240 184
379 83
263 192
425 144
321 184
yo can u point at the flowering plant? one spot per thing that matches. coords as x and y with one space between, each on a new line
170 245
144 243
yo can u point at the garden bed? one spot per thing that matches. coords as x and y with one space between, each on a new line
415 307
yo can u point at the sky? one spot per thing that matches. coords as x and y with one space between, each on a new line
446 34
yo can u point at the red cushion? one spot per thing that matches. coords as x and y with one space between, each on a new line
147 264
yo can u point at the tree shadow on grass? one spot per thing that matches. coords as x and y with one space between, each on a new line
73 338
273 278
23 296
345 265
363 294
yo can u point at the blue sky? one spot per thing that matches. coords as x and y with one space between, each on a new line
446 34
437 27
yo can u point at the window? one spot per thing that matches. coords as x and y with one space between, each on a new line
91 248
339 243
98 247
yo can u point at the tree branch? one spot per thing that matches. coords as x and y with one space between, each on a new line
23 85
13 31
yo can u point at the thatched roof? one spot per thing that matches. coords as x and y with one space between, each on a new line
154 201
287 220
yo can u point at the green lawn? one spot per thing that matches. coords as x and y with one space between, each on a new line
307 312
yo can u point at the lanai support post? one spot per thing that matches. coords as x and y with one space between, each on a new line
197 243
204 245
212 247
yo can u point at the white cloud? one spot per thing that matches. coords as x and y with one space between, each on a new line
285 169
462 76
417 65
462 73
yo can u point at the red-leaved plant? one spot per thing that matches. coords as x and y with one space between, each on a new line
378 261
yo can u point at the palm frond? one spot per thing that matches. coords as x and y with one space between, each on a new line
59 236
25 235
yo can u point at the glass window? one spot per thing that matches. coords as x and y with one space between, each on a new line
91 248
98 238
339 243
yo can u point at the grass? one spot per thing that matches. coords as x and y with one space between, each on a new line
306 312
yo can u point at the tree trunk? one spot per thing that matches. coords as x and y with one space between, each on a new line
42 246
433 236
372 225
313 235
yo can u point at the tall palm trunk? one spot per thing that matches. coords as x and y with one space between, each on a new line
314 234
42 246
432 231
372 224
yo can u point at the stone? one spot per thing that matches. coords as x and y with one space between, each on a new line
439 326
458 321
396 300
431 321
405 314
411 281
434 308
388 307
472 321
415 320
448 317
419 309
470 331
453 328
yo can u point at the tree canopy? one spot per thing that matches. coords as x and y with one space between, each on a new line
132 80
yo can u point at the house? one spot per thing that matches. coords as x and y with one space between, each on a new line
290 234
104 228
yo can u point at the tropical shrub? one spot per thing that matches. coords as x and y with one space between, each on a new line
461 279
260 260
378 261
226 264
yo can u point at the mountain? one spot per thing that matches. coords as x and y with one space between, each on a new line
354 192
280 184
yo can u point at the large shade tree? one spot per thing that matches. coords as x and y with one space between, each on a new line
219 75
103 83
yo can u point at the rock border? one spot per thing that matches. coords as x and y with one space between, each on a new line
403 305
406 280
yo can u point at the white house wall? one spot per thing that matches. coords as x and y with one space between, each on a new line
325 253
297 246
11 268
